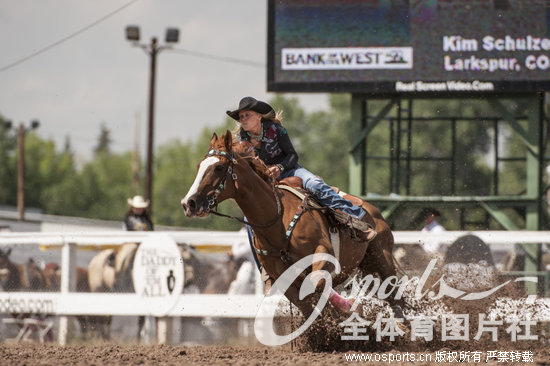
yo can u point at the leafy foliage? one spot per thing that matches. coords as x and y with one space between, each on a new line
8 173
99 188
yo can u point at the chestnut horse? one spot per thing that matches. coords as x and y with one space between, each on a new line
231 171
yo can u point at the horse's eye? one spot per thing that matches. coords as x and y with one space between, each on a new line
218 168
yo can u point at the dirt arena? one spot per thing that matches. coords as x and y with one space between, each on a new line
322 343
99 355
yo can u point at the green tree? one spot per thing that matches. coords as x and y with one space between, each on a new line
8 171
44 167
104 140
175 171
320 138
99 190
107 182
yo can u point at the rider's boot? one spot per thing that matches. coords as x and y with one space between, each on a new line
365 230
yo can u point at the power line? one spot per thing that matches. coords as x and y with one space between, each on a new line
218 58
62 40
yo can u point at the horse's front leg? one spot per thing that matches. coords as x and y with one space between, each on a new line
379 260
305 291
319 268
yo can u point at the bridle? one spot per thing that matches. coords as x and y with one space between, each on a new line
212 199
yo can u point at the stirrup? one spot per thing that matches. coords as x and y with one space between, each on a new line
351 221
365 230
369 234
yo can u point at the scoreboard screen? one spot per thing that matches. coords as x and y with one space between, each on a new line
409 46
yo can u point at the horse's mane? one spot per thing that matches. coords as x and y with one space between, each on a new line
245 151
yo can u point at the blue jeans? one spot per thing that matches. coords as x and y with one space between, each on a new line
323 192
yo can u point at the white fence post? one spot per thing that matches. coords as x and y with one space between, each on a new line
68 284
67 303
165 330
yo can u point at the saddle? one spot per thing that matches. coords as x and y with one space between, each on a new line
296 182
341 217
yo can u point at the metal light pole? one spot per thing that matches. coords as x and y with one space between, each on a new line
21 131
152 49
21 172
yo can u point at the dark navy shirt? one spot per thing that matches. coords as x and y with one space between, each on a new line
276 147
135 222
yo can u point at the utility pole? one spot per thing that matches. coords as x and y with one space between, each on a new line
153 50
135 155
133 35
21 172
21 132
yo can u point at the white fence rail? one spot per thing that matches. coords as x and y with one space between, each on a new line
69 303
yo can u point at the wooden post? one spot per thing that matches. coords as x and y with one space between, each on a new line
164 330
21 172
135 156
151 126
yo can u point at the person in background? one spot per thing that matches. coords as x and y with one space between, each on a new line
431 225
138 218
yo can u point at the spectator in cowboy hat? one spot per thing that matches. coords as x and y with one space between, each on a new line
138 218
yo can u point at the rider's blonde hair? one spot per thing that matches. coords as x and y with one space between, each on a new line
274 117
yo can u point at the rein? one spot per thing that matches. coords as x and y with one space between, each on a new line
213 200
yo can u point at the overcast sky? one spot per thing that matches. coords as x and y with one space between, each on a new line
97 77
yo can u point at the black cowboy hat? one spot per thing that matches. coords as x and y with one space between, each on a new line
249 103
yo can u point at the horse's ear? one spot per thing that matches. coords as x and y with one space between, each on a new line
8 252
228 140
213 139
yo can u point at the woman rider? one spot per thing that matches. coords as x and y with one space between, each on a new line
260 126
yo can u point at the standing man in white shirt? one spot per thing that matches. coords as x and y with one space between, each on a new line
432 226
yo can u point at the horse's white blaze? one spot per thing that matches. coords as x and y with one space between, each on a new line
211 160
